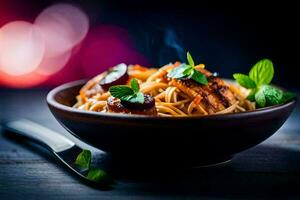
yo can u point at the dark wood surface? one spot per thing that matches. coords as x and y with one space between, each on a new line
269 170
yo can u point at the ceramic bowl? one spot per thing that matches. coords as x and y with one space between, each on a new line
193 140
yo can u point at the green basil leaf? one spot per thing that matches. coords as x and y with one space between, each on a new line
84 159
262 72
119 91
199 77
98 175
260 98
244 81
135 98
287 96
188 71
139 98
190 59
178 71
251 95
134 85
125 93
273 95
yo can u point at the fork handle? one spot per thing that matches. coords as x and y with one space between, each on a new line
31 130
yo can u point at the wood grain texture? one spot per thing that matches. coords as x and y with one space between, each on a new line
271 169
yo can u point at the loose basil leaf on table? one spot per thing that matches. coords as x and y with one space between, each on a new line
84 160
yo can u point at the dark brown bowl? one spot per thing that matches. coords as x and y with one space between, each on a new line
194 140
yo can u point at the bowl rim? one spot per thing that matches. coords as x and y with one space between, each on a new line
52 102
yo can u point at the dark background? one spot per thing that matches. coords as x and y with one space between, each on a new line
228 37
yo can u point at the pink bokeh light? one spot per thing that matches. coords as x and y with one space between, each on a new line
21 48
25 81
106 46
51 65
31 53
63 26
70 52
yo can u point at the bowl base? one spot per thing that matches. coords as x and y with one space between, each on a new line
216 163
141 170
160 163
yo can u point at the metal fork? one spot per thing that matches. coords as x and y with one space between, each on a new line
61 146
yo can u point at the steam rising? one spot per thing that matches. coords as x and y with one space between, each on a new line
172 41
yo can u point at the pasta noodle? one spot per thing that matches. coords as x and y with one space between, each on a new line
173 97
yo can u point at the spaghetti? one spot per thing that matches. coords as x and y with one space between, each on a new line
172 97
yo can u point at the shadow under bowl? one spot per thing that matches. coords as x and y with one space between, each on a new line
190 141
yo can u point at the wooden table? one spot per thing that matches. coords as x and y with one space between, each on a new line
271 169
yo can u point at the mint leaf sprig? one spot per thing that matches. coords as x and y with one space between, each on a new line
188 71
125 93
258 80
84 160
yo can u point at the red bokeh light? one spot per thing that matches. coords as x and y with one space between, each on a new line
106 46
65 26
31 53
24 81
21 48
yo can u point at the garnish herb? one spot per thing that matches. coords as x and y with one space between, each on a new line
98 175
84 160
131 94
188 71
244 81
258 80
262 72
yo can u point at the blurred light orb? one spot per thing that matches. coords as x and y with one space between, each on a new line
51 65
21 48
23 81
106 46
63 27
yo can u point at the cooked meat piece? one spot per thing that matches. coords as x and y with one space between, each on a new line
149 103
148 108
216 94
210 98
222 89
116 75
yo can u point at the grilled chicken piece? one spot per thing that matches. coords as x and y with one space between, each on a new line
216 94
223 90
211 99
